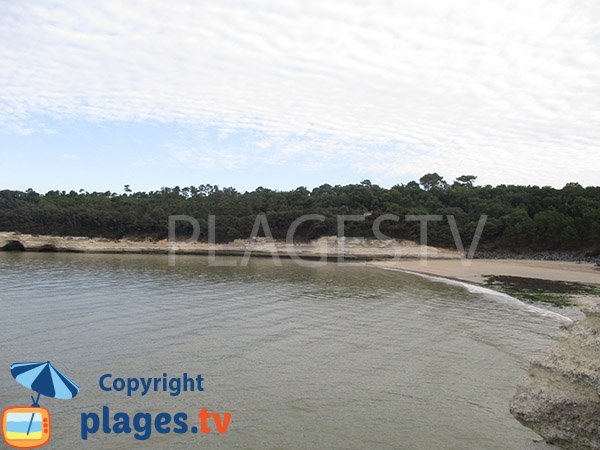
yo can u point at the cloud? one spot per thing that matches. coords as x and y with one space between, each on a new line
505 89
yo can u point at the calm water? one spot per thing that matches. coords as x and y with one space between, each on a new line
321 357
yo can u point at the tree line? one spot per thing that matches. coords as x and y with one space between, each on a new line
520 218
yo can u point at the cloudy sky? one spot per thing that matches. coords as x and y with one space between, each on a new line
282 93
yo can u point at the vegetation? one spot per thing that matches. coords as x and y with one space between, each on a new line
557 293
520 218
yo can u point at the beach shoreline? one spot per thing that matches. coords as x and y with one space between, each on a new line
395 255
479 271
475 270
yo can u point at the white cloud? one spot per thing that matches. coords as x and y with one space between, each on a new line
506 89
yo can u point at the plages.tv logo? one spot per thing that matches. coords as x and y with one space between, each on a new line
29 426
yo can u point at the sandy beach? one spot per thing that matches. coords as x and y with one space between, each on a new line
475 270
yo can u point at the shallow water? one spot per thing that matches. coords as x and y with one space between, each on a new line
335 356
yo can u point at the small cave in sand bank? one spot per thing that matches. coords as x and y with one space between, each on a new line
47 248
13 246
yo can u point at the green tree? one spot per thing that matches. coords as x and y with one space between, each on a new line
466 180
432 181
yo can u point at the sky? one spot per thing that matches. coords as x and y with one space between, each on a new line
281 93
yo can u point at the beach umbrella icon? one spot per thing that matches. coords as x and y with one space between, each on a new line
45 379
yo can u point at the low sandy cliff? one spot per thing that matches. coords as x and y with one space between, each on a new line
560 398
330 247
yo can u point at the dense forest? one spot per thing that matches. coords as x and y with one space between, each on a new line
520 218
